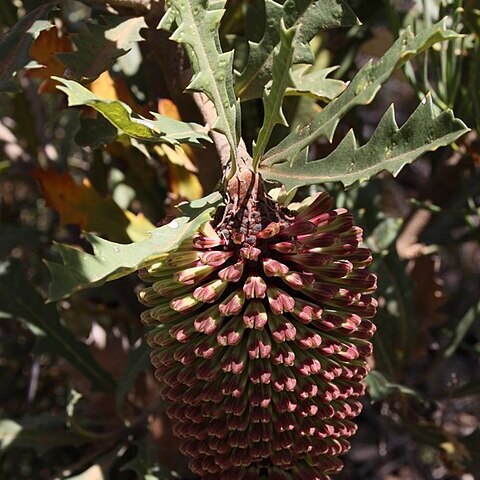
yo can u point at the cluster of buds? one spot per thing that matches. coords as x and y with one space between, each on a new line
260 333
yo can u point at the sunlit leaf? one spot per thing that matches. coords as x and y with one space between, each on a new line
390 149
139 226
273 95
19 300
315 83
111 260
361 91
197 29
120 115
310 16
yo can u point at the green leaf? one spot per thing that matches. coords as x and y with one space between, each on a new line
379 387
19 300
315 83
181 132
390 149
110 260
361 91
121 116
39 432
100 46
384 234
273 96
15 44
310 16
197 25
461 330
138 361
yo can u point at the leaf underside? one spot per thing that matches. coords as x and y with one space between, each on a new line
80 270
197 28
310 16
290 155
390 148
315 83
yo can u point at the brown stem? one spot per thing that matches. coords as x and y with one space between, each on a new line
209 114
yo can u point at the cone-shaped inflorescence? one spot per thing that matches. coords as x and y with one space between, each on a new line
261 335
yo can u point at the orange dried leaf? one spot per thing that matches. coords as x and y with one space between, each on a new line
108 88
168 108
82 205
44 50
184 184
181 170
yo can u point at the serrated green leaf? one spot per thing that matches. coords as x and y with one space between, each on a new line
101 45
361 91
315 83
181 132
138 361
379 387
121 116
110 260
390 149
39 432
273 96
15 44
310 16
197 24
19 300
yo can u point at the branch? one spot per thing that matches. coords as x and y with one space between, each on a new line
222 146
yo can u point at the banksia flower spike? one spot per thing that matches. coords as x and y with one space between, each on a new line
260 334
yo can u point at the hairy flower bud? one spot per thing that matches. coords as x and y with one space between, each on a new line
260 338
